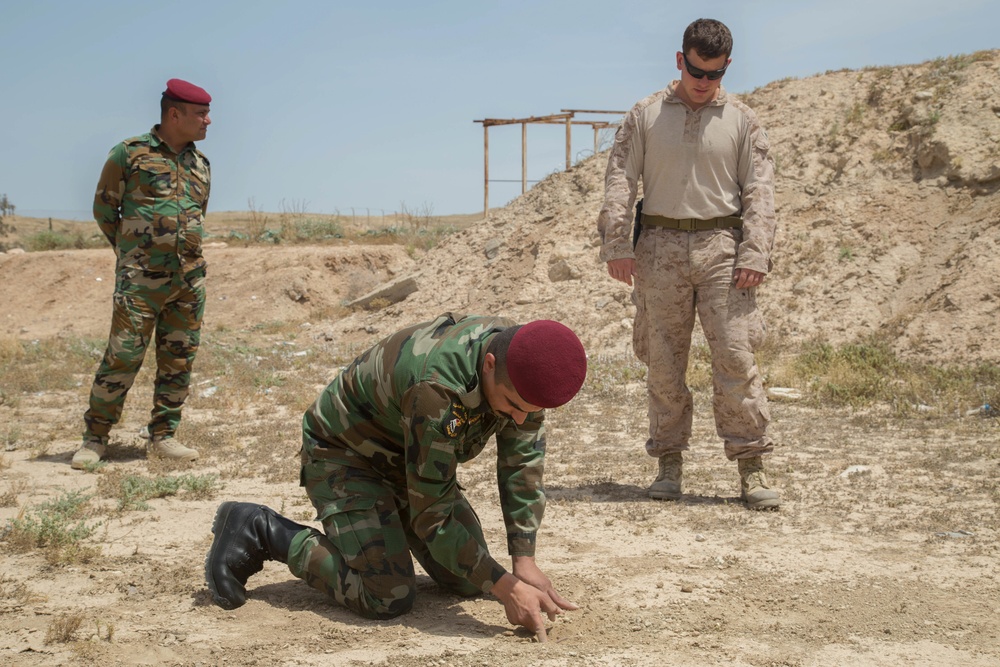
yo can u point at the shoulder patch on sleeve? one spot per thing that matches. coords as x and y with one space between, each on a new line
454 420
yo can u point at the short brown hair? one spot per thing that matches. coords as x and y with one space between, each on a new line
709 38
498 348
167 102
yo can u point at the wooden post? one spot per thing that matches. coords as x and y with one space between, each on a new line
595 140
569 131
486 170
524 158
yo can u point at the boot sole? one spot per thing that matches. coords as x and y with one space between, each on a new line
221 517
769 504
185 459
663 495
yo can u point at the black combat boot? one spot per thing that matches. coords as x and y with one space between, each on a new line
246 535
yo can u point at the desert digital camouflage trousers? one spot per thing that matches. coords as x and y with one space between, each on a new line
678 274
168 306
363 561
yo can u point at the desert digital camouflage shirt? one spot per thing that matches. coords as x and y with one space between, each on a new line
706 163
150 203
412 409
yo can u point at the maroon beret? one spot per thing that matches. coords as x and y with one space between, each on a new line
182 91
546 363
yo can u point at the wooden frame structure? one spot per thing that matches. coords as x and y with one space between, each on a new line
565 117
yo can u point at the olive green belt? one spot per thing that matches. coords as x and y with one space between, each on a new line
692 224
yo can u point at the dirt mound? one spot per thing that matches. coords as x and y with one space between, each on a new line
69 292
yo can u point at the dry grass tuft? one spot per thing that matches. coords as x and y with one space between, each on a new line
15 488
63 629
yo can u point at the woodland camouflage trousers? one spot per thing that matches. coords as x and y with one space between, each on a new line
163 307
363 561
679 274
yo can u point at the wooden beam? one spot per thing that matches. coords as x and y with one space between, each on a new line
620 113
530 119
524 158
486 171
569 138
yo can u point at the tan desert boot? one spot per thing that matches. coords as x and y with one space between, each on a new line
94 449
755 491
667 485
167 447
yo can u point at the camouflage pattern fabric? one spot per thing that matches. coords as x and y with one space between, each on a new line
149 204
702 164
705 163
381 449
678 274
168 306
363 559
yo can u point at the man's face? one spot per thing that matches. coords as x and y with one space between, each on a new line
699 91
503 399
192 121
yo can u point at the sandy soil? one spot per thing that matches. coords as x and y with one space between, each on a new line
885 551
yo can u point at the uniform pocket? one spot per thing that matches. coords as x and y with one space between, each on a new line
352 524
640 337
156 179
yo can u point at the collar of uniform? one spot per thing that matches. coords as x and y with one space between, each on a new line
154 134
672 97
156 140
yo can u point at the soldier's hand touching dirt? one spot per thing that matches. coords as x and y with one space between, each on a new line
528 571
525 604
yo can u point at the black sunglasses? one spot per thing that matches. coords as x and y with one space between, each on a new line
697 73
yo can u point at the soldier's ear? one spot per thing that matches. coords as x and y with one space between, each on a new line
489 363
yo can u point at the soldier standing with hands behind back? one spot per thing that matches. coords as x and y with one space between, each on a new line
707 228
150 204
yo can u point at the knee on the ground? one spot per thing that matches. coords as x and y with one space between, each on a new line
377 608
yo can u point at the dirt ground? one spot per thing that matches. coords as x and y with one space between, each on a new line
885 552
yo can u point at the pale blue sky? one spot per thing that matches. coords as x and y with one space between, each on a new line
371 104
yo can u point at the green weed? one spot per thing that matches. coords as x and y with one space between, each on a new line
57 528
868 372
132 491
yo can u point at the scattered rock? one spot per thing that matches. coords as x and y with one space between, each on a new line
783 394
389 293
492 248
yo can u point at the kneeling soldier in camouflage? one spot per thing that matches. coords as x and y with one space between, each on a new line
381 446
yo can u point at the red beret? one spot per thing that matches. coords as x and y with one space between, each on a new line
546 363
182 91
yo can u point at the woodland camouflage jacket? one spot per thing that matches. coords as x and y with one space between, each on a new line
150 203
